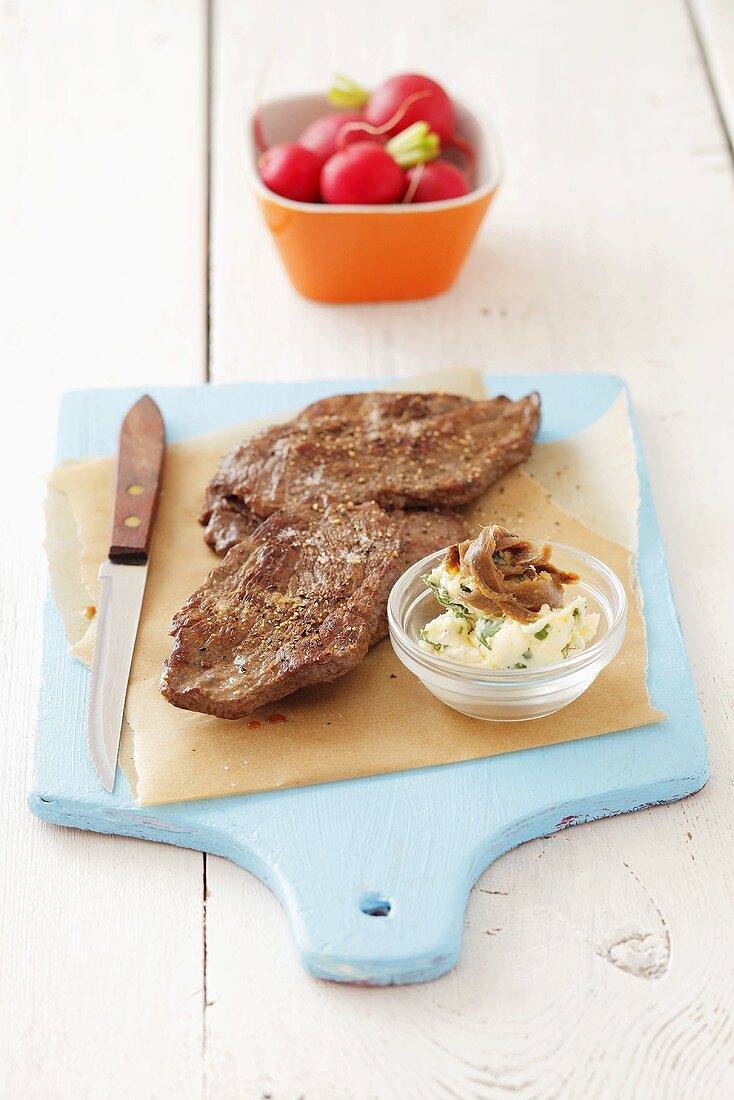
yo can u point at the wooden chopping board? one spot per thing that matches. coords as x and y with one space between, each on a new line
375 873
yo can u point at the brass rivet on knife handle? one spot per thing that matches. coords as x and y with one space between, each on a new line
137 481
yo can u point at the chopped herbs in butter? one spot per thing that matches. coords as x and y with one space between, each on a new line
461 633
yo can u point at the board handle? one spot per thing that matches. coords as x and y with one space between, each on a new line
391 936
376 894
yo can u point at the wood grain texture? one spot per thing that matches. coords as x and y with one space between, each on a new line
418 839
102 219
610 248
137 481
713 24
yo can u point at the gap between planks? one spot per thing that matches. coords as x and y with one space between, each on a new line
703 36
205 1003
209 85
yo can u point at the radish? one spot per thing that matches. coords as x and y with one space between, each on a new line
399 103
435 182
329 133
363 173
431 105
291 171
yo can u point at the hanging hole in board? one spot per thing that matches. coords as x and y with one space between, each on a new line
376 906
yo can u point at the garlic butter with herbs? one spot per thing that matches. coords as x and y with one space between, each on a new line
463 634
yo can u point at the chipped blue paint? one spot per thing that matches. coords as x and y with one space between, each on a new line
417 839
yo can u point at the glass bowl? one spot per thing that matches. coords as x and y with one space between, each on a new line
510 695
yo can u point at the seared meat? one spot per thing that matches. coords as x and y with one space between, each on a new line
421 533
424 532
401 450
297 602
312 552
508 575
230 522
382 410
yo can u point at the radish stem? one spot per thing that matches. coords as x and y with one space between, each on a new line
414 145
413 185
346 93
386 126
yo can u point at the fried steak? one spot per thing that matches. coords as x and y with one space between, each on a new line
298 602
318 517
402 450
424 532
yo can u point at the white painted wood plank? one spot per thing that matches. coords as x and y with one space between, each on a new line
713 22
103 210
601 966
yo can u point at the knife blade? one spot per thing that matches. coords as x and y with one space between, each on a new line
122 580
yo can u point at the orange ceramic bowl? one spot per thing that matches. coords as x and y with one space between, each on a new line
372 253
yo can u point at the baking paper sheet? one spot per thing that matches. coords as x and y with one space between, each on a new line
378 718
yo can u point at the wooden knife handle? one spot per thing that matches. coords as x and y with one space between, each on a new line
138 482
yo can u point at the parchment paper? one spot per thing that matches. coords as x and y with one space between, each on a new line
594 474
378 718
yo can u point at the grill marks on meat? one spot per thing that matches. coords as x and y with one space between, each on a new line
297 602
510 575
401 450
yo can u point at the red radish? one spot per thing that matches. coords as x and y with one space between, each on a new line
429 103
435 182
362 173
328 134
291 171
398 104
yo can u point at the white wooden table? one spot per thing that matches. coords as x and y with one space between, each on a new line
599 963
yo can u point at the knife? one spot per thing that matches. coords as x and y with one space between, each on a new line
122 579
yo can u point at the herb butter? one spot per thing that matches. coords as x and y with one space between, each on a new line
463 634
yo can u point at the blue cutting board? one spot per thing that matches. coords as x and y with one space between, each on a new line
375 873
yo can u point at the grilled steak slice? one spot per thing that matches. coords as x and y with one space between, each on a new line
382 410
424 532
297 602
401 450
231 521
421 533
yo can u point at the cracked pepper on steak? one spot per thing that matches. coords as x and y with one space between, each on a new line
299 602
402 450
301 596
